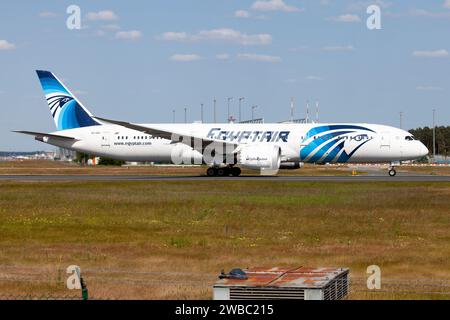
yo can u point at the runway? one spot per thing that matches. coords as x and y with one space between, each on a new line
362 178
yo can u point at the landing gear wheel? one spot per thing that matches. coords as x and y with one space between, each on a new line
235 172
211 172
222 172
392 172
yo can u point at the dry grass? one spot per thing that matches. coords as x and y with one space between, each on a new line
433 170
64 168
170 239
45 167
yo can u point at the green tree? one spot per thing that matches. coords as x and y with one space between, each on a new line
425 135
82 158
110 162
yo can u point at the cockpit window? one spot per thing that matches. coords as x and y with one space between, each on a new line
410 138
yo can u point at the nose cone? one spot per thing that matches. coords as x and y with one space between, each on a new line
423 151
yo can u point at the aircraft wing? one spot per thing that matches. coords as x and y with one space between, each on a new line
41 136
175 137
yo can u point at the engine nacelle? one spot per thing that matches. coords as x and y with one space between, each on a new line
291 165
264 157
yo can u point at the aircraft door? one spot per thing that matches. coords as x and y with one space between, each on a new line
105 143
385 142
303 144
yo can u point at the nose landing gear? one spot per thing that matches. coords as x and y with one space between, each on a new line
392 171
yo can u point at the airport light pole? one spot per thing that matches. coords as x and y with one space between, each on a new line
201 112
317 111
215 119
173 115
401 120
253 111
228 100
292 109
307 111
240 101
185 115
434 135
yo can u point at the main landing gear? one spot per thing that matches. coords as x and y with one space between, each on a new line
223 171
392 171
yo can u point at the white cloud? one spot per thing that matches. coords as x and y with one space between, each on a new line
347 18
274 5
99 33
235 36
222 56
175 36
5 45
362 5
104 15
427 14
129 35
185 57
242 14
47 14
447 4
300 49
224 34
111 27
258 57
339 48
431 54
428 88
315 78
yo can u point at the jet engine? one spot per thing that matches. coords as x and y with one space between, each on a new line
264 157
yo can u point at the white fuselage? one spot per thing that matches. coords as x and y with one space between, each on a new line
315 142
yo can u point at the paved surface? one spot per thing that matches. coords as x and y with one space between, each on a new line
366 178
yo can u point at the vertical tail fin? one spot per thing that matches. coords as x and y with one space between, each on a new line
65 108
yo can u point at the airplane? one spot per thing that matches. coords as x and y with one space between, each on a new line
224 147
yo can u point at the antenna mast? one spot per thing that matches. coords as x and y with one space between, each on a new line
307 111
317 111
292 109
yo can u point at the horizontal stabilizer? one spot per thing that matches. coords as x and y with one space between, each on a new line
41 136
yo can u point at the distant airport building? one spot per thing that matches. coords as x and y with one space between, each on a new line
442 159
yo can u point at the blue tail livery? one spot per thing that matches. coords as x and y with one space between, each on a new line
65 108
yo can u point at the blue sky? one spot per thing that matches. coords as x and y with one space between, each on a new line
139 60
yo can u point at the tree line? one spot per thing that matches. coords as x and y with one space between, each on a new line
425 135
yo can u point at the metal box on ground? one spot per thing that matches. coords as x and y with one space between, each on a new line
285 283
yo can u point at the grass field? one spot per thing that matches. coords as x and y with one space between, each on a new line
64 168
151 240
435 171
